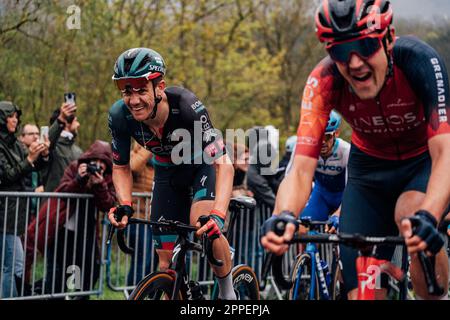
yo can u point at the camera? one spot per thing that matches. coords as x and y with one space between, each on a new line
93 167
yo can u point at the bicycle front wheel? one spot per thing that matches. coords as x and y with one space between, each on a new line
155 286
301 278
337 292
245 283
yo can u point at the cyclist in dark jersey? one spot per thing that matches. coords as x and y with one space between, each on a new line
175 126
394 92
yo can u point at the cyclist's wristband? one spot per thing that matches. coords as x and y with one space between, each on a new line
127 203
427 216
219 221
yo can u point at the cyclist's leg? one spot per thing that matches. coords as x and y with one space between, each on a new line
368 206
203 202
407 204
367 212
171 202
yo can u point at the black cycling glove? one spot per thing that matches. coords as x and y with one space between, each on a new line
424 226
120 211
277 223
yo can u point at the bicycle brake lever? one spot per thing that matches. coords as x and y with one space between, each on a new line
110 234
121 242
428 266
210 252
277 273
265 270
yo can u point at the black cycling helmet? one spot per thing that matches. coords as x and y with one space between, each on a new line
338 20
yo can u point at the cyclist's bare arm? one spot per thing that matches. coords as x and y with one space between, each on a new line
295 188
224 183
223 188
438 191
123 182
292 196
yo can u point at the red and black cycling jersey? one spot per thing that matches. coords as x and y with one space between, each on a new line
412 107
186 112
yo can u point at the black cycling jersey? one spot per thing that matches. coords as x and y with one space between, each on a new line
186 112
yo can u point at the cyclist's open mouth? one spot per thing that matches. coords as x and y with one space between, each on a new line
362 77
137 108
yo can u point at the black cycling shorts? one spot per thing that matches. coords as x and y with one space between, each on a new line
368 204
175 189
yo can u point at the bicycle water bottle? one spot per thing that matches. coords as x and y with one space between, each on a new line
326 271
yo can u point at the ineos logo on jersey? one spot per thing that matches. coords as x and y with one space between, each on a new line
308 93
379 121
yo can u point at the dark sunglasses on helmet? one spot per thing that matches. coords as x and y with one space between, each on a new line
135 82
364 48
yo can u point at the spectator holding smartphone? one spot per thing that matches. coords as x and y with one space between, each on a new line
33 183
15 167
62 134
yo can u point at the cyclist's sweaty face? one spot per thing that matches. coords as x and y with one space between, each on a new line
327 144
140 101
365 76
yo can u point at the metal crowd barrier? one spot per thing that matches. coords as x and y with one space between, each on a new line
70 263
59 260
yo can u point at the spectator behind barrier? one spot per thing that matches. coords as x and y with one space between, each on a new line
143 173
77 178
16 166
261 179
240 163
28 135
63 129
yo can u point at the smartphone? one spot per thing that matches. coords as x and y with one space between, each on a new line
70 97
44 133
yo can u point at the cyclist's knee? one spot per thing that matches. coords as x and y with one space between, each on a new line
407 204
164 257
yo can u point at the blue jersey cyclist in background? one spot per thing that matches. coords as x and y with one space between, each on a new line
330 177
159 119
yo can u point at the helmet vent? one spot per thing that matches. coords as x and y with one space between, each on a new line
344 13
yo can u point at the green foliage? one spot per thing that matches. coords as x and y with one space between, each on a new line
247 60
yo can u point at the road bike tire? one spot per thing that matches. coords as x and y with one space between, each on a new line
337 286
155 286
303 263
245 283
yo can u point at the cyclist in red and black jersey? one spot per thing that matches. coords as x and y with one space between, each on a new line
193 173
394 93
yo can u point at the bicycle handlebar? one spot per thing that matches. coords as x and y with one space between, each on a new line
178 227
359 242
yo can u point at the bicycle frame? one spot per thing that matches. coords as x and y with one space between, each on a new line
316 271
178 266
369 270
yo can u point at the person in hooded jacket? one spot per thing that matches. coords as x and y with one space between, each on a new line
16 167
90 174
